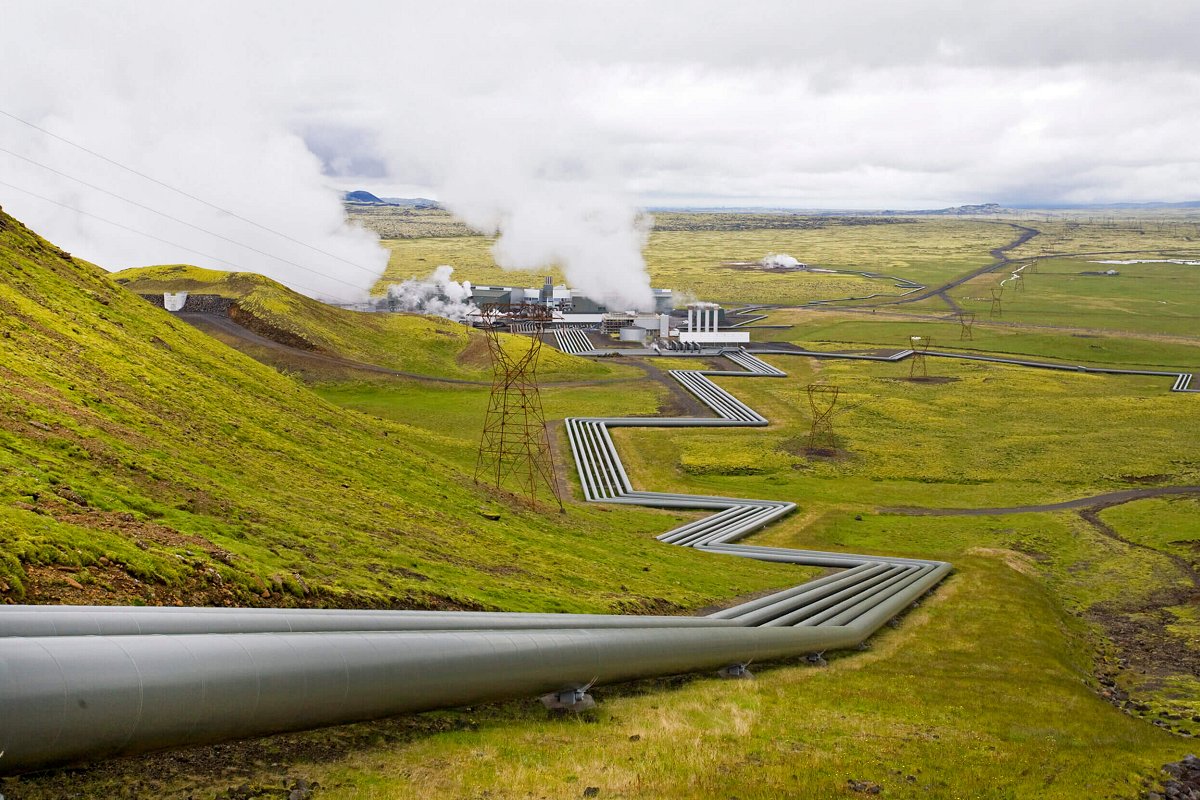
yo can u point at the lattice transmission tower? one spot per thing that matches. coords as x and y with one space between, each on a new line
917 364
514 449
822 399
966 321
997 296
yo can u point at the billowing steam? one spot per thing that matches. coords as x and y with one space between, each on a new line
439 295
594 235
197 96
779 261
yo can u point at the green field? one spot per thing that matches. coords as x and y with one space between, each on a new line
833 331
1035 671
690 262
1144 298
1127 232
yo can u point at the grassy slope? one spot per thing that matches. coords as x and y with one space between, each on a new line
140 459
407 342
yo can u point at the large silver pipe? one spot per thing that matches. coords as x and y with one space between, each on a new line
72 697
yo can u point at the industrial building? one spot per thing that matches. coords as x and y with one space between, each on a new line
570 302
704 327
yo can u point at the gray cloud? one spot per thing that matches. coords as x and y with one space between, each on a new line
574 113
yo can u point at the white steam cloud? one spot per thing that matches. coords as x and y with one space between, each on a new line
439 295
779 261
597 242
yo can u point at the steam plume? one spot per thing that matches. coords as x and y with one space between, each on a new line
439 295
198 97
779 261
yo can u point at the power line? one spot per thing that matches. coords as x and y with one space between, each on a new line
175 219
188 195
140 233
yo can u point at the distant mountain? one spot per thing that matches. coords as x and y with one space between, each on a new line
957 211
361 197
364 198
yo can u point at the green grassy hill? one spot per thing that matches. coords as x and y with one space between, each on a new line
407 342
143 461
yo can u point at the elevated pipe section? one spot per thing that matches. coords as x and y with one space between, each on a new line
1181 380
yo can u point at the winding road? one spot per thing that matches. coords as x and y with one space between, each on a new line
1096 501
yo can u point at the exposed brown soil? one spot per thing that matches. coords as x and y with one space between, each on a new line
110 584
679 402
1140 633
255 768
475 354
266 329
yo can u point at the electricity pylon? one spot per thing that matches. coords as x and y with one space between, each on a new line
515 446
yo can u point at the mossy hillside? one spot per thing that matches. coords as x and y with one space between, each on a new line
408 342
140 460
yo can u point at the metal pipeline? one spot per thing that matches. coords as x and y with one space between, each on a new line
91 682
1182 380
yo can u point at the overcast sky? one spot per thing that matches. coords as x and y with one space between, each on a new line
506 108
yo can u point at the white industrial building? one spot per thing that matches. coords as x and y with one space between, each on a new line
704 329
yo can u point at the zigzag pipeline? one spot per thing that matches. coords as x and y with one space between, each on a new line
866 595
